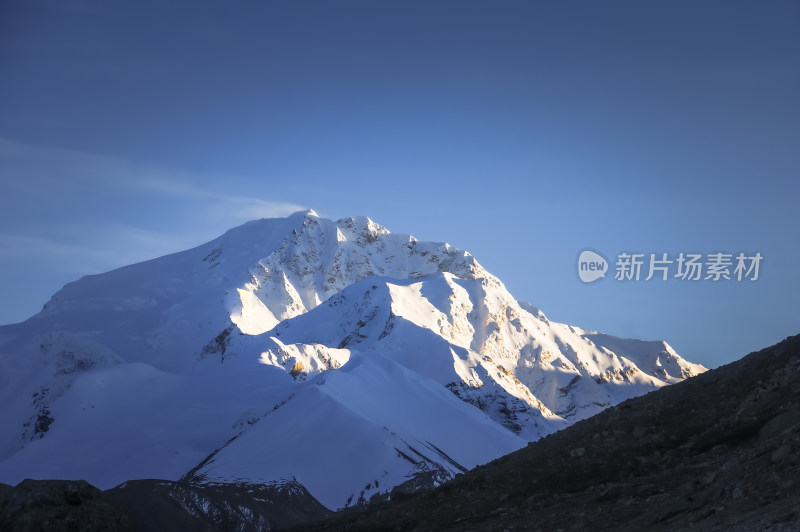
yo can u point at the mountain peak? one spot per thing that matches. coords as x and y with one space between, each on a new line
304 213
241 338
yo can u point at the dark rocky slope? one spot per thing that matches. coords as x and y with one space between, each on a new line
60 505
158 505
720 451
154 506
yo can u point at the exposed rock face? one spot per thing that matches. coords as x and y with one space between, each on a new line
720 451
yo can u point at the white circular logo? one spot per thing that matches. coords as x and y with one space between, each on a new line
591 266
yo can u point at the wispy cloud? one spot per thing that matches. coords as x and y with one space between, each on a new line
31 167
80 249
89 212
243 207
36 247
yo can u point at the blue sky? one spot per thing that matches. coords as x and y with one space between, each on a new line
522 132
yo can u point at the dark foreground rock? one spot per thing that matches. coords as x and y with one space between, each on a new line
155 506
720 451
60 506
158 505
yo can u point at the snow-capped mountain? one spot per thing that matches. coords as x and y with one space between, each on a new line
334 354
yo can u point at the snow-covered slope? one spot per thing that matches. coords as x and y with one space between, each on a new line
360 430
337 353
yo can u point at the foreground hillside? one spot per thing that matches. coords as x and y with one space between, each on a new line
720 451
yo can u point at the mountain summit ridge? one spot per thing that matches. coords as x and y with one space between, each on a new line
195 360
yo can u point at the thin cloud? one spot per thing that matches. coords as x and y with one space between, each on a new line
63 256
78 248
240 207
85 213
27 165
